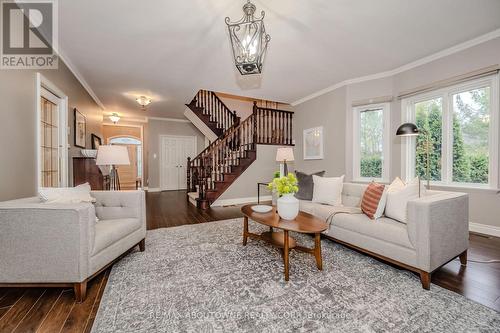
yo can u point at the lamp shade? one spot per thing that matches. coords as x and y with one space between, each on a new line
407 129
284 154
112 155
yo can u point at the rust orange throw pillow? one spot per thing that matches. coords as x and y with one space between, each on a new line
371 199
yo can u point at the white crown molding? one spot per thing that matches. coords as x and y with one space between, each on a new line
177 120
425 60
80 78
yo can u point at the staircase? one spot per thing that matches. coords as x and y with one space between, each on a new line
211 172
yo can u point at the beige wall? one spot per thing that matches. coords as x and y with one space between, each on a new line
484 204
163 127
18 126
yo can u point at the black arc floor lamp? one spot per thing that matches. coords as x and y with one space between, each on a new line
410 129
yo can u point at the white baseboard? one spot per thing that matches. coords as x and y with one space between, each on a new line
484 229
153 189
239 201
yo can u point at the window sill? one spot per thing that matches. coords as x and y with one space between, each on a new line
464 188
368 181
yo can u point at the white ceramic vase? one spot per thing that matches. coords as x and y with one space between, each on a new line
288 206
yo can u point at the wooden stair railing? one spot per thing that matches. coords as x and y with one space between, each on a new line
224 160
213 112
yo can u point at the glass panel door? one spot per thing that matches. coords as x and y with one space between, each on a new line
49 144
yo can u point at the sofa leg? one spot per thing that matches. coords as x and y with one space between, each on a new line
142 245
80 291
425 278
463 258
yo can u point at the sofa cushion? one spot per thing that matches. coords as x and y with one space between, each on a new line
125 205
328 190
306 184
398 197
77 194
384 229
352 194
108 232
372 200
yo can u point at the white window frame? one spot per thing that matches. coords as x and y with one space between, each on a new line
386 148
409 146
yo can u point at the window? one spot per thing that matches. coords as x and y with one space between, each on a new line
461 123
371 142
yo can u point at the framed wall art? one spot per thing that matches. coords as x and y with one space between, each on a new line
80 129
313 143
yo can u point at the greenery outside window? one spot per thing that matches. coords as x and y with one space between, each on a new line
371 142
462 122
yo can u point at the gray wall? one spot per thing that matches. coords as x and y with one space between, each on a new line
156 128
328 111
18 126
484 204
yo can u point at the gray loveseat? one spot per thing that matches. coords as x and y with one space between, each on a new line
436 232
62 244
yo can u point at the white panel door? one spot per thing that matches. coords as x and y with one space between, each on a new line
188 149
169 171
174 152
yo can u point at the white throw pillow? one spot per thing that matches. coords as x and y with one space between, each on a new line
80 193
398 197
397 184
328 190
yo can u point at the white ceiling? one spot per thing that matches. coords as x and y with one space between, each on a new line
168 49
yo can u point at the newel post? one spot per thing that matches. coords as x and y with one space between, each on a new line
254 124
188 175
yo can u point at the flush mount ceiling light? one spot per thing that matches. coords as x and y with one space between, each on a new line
114 117
248 40
143 101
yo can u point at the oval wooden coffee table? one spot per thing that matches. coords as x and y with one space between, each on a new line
304 223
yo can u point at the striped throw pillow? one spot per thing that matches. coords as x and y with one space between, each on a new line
371 199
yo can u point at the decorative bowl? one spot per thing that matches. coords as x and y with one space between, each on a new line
262 208
89 153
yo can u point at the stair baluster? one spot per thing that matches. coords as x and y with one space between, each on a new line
225 159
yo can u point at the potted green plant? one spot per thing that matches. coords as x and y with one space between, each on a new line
287 204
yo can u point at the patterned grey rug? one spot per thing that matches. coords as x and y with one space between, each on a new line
199 278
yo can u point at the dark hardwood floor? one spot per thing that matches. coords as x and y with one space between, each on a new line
54 309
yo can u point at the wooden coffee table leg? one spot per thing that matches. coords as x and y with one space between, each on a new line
245 230
317 251
286 252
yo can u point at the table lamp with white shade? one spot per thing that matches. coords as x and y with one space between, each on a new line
113 155
284 155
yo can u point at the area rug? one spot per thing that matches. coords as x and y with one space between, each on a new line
199 278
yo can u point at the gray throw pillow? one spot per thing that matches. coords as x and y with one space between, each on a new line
306 184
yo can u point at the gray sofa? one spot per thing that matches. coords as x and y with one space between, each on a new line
436 231
62 244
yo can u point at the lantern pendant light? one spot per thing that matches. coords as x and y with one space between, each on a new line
248 40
